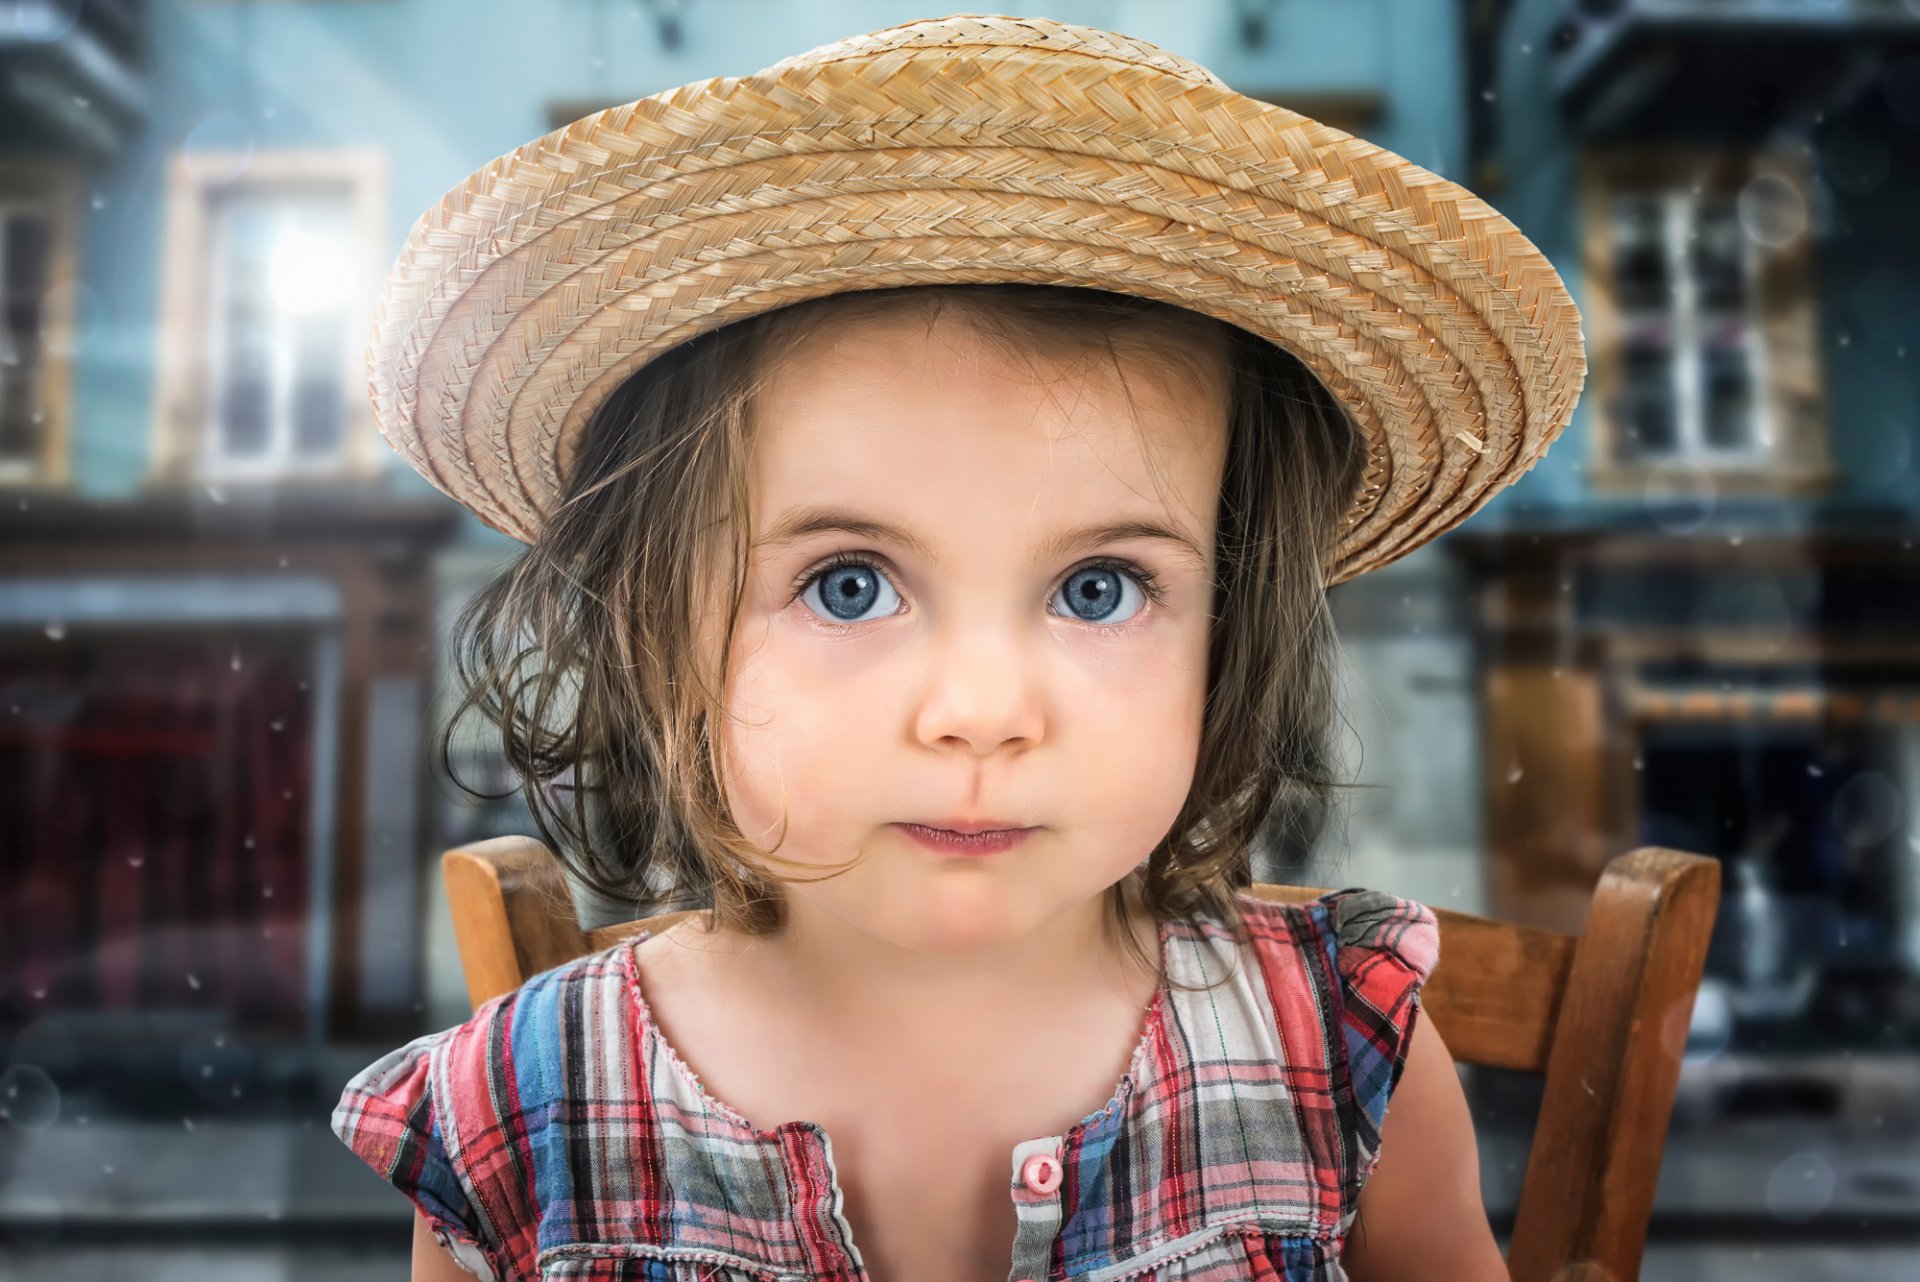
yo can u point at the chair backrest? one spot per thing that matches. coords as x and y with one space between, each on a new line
1603 1015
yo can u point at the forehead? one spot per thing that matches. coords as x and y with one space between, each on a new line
926 425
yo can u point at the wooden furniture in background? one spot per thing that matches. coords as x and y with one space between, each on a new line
1603 1015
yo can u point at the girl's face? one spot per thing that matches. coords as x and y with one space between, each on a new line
981 657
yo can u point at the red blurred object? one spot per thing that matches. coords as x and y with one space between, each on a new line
154 802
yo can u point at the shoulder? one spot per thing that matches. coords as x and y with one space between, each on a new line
1351 964
1354 961
452 1117
1375 923
1357 930
507 1048
508 1053
1412 1185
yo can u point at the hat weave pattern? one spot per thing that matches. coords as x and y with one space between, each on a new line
972 148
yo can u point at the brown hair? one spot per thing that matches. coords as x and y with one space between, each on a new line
583 651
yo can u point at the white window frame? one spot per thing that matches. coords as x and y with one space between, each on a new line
191 344
279 459
1679 226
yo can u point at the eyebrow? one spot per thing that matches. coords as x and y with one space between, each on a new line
803 521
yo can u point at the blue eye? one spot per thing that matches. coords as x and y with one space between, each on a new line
848 588
1097 590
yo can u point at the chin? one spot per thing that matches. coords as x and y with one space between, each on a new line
954 932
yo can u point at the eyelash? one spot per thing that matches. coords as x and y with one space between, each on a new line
1156 592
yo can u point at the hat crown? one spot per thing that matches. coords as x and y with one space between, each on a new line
965 30
1051 154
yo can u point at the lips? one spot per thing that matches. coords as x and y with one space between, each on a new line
988 841
972 827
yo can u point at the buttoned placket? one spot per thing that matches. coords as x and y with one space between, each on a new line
1038 1173
1037 1176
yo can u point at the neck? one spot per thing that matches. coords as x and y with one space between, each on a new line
868 987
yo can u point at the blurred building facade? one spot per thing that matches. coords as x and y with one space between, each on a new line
223 601
1694 624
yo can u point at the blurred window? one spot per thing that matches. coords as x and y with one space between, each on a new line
1690 353
277 332
272 263
1701 319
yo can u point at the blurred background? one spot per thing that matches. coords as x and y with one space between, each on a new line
223 600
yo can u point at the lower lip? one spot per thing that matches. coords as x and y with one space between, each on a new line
954 843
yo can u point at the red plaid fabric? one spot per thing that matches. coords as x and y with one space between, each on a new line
556 1134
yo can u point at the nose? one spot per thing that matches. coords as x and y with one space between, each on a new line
981 691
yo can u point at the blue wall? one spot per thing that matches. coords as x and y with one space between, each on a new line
447 85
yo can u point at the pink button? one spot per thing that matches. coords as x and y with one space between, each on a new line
1041 1173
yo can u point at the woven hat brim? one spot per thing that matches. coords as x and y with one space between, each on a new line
542 282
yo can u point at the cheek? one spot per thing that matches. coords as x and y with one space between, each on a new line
788 738
1137 775
1143 698
1134 724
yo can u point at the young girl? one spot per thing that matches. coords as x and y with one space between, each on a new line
935 452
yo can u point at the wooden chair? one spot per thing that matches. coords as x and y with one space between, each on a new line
1603 1015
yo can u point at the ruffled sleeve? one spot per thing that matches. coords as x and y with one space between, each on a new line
428 1118
1386 947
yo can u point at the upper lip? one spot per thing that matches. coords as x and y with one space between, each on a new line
970 826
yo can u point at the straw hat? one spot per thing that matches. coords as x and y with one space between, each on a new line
972 148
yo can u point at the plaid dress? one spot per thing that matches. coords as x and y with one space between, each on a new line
557 1135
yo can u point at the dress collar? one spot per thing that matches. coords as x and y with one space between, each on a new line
1202 1108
